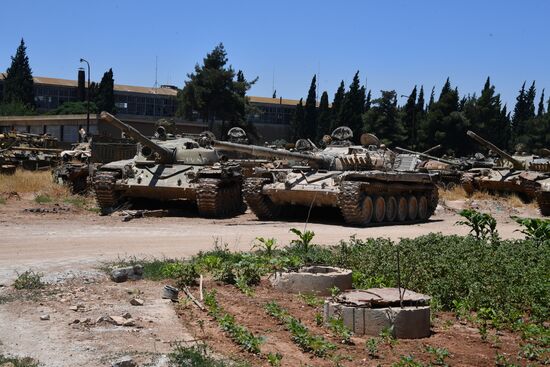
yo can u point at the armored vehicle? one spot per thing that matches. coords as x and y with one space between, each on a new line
526 175
360 181
168 170
28 151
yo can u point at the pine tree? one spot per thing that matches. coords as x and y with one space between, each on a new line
298 120
18 81
337 103
309 129
353 107
409 118
324 117
105 98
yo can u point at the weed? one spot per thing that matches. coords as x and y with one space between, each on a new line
482 225
536 229
43 199
407 361
335 292
319 321
439 354
304 240
266 245
197 356
482 328
185 274
336 325
371 346
387 336
274 359
18 362
531 352
76 201
301 336
28 280
153 268
502 361
311 300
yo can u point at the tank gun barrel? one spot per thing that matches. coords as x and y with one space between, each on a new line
427 156
432 149
35 149
517 164
264 152
165 155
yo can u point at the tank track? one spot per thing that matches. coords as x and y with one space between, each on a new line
259 203
217 199
351 197
543 201
104 187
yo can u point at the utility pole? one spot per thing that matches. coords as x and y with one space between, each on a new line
87 99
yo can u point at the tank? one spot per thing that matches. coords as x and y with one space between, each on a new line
526 175
361 181
164 169
28 151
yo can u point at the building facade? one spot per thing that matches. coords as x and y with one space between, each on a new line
141 107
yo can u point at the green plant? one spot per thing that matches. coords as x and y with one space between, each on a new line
482 225
531 351
336 325
266 245
335 292
43 199
536 229
185 273
440 354
502 361
407 361
28 280
18 362
274 359
77 201
197 356
311 300
319 321
304 240
387 336
371 346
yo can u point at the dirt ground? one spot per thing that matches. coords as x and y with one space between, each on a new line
67 244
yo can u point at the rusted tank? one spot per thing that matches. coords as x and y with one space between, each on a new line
170 169
526 175
28 151
358 180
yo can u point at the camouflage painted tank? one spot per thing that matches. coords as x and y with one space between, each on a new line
170 169
360 181
526 175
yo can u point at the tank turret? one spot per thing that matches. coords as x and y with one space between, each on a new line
515 163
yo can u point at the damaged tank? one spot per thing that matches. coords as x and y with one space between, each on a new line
167 170
28 151
359 180
525 175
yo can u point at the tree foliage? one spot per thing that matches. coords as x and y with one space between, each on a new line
104 97
18 82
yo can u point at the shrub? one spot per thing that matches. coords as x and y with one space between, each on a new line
28 280
535 229
482 225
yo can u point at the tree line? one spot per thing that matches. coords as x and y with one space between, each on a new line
421 124
18 97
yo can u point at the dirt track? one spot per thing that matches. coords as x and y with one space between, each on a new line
55 241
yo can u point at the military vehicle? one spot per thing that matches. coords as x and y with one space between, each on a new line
28 151
358 180
167 170
526 175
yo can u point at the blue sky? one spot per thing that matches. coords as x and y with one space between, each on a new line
395 44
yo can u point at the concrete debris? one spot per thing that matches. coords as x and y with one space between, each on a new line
120 320
120 275
125 361
136 302
169 292
44 317
127 315
86 321
77 308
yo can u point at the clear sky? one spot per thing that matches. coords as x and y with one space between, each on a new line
395 44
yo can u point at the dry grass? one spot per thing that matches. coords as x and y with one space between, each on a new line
458 193
37 182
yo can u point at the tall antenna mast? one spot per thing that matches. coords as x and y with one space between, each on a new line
318 81
273 82
156 72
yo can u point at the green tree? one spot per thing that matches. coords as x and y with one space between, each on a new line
523 112
104 97
410 118
309 128
18 80
540 110
298 120
368 101
214 92
383 120
337 103
353 107
432 98
324 117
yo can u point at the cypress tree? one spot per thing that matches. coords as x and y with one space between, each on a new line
420 102
409 117
540 110
309 128
337 106
105 98
298 120
432 98
18 81
368 101
353 107
324 117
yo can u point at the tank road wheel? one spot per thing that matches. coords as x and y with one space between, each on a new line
104 187
402 209
391 209
379 209
412 204
433 201
422 208
217 199
260 204
356 207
